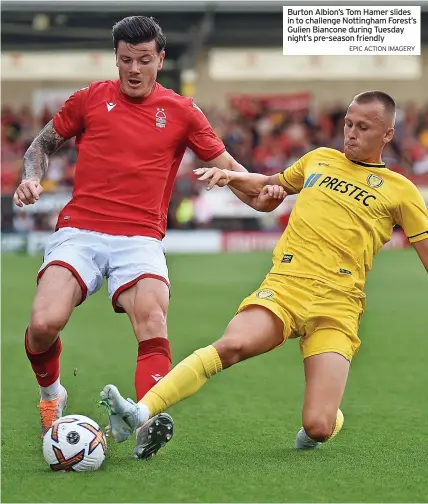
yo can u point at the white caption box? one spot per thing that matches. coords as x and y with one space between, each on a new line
346 30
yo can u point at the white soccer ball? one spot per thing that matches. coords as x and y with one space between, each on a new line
74 443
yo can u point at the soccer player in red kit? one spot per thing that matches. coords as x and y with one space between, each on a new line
131 135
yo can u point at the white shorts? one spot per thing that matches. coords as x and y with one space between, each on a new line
92 256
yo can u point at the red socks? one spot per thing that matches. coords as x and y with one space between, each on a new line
45 364
153 363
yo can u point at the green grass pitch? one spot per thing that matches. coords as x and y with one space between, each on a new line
234 440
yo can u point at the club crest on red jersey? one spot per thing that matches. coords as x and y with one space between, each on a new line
160 118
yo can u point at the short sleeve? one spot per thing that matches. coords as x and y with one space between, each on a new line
293 178
412 214
201 137
69 121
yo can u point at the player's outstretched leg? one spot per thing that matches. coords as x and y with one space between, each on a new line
252 332
326 375
57 294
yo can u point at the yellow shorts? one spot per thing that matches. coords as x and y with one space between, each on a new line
326 319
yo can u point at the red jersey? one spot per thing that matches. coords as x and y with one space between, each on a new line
129 152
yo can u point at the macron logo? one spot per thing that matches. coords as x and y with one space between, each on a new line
110 106
157 377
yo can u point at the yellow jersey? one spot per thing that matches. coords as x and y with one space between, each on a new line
344 213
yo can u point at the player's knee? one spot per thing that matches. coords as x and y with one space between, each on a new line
231 351
43 330
150 323
318 428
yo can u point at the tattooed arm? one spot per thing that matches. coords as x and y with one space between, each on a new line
35 164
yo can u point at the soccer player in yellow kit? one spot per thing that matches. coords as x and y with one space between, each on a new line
347 207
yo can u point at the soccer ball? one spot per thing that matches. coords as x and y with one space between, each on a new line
74 443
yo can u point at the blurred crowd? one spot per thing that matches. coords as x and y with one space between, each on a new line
264 140
18 130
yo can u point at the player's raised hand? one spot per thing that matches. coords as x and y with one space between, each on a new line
28 192
270 197
214 176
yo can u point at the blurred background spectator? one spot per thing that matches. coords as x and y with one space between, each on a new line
266 142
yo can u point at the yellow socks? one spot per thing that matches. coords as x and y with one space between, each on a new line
340 419
183 381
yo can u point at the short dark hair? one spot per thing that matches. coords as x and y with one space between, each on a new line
138 29
371 96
